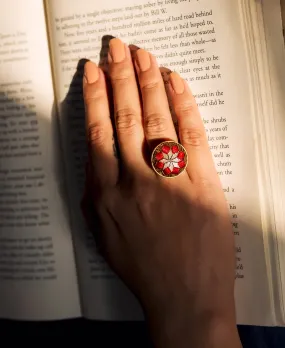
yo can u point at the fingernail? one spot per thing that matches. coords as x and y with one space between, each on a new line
91 72
177 83
143 60
117 50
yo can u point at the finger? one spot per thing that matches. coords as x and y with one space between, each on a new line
191 131
98 126
127 108
158 124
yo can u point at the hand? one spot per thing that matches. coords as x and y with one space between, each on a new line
170 240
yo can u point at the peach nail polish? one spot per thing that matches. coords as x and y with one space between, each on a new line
177 83
117 50
91 72
143 60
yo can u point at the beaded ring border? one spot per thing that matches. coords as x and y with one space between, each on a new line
169 159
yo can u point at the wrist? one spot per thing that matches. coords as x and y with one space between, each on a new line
185 329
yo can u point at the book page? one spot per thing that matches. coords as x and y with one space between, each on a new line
37 268
202 41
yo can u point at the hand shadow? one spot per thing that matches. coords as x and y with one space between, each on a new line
75 149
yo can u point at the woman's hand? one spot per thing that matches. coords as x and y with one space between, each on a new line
170 240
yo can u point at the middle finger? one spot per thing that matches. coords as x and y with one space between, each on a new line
158 123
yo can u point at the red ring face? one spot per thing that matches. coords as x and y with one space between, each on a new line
169 159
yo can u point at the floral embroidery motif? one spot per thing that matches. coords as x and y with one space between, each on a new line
169 159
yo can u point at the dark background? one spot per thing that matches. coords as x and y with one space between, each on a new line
124 334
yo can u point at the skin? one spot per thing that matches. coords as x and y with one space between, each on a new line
170 240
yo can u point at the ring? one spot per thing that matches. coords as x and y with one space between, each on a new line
169 159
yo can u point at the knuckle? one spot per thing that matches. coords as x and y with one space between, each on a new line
192 136
126 121
93 95
121 73
150 85
186 108
155 124
204 183
96 134
120 78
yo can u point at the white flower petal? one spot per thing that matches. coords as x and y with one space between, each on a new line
166 165
175 165
165 155
170 154
171 166
176 160
163 160
174 155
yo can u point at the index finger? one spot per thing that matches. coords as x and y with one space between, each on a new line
98 126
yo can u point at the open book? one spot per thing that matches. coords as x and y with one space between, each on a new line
232 55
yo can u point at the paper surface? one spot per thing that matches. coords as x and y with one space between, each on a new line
37 268
205 45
